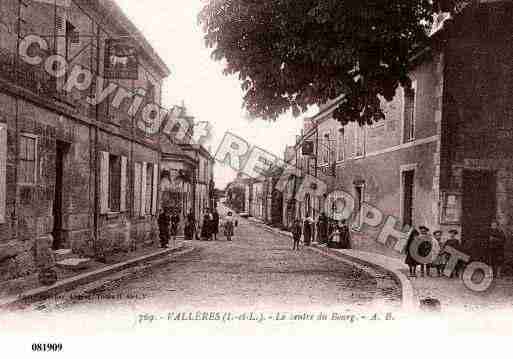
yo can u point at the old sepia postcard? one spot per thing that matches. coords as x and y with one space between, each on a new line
241 168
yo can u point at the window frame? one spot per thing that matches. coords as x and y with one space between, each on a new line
36 158
359 131
408 135
114 160
341 145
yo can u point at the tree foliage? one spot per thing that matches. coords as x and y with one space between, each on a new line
290 54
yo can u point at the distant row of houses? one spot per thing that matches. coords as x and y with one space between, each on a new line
443 156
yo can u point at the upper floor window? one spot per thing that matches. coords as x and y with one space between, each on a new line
409 113
27 159
341 145
72 37
359 140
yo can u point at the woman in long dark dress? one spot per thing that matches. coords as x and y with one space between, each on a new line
322 229
188 230
206 229
345 235
215 224
496 248
409 260
307 232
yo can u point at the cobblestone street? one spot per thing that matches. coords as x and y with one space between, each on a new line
256 271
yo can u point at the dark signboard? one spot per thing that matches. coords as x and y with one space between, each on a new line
121 60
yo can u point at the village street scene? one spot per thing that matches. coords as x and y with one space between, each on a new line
254 157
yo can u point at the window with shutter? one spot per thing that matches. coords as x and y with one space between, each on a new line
27 159
114 183
104 182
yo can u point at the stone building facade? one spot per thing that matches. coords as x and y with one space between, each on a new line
73 173
442 156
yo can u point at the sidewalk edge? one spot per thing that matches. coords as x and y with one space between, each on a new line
409 299
67 284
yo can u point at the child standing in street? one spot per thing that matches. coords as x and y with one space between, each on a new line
439 261
229 227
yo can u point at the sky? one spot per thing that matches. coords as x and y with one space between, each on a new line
172 29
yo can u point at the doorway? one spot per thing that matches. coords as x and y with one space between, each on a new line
478 210
408 192
62 149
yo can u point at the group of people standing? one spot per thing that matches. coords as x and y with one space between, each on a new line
419 246
210 225
335 234
169 221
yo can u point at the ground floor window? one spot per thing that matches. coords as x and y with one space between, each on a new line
27 159
114 183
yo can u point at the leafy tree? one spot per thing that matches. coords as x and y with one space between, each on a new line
290 54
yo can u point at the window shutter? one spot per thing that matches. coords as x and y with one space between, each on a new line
3 168
155 188
142 210
104 182
137 188
122 196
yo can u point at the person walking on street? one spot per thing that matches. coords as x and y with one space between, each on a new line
307 231
189 229
496 248
229 227
215 223
345 235
424 249
164 221
453 242
191 219
206 227
322 229
175 221
296 233
439 261
409 260
334 238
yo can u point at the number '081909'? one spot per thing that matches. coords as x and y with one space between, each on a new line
46 347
